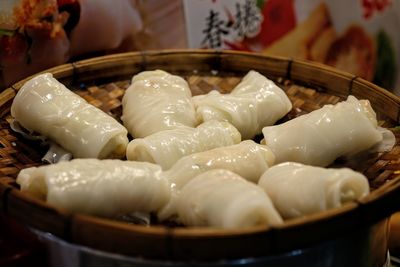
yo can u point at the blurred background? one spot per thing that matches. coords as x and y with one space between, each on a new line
358 36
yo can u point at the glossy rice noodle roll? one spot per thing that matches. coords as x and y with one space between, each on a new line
44 105
157 101
166 147
99 187
321 136
298 190
247 159
221 198
254 103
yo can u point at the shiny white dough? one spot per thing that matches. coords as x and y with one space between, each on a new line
166 147
254 103
247 159
99 187
321 136
46 106
157 101
221 198
299 190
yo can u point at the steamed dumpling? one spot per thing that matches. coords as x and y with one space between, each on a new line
45 106
221 198
157 101
99 187
166 147
321 136
254 103
298 190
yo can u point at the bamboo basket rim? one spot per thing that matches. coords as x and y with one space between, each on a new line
378 205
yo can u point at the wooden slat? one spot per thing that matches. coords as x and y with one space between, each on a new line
37 214
210 243
382 100
241 63
120 237
107 68
64 73
382 202
316 228
322 77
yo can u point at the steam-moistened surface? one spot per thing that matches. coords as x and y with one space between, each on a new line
247 159
221 198
157 101
298 190
167 147
254 103
99 187
45 106
321 136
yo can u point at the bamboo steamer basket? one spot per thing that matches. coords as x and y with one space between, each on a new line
102 81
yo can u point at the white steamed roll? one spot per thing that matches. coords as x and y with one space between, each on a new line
157 101
167 147
221 198
254 103
321 136
298 190
247 159
99 187
45 106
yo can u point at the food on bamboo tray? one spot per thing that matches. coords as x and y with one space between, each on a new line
100 187
247 159
168 146
254 103
44 105
156 101
197 175
221 198
323 135
298 190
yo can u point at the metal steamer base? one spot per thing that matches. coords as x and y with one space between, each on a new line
365 247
